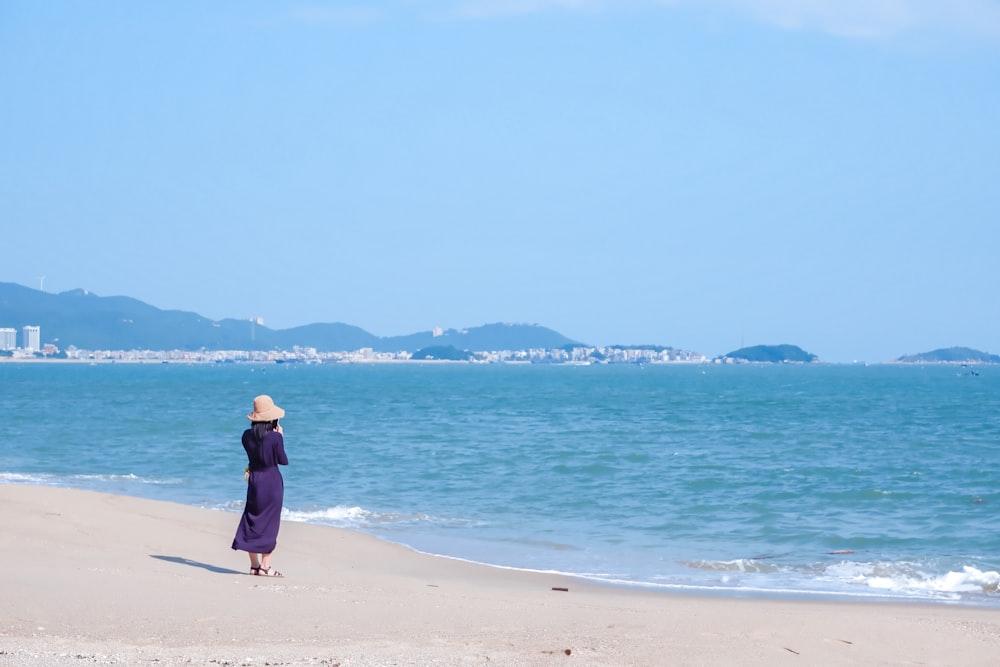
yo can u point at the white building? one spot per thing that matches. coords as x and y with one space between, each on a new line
31 338
8 339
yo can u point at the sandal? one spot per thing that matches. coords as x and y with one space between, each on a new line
268 572
254 570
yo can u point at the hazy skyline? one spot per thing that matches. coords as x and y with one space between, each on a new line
703 175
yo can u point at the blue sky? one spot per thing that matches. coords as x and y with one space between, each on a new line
702 174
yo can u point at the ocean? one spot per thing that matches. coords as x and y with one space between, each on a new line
816 481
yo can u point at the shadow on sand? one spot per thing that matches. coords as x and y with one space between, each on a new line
194 563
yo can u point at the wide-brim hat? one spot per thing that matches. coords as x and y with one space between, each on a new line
264 410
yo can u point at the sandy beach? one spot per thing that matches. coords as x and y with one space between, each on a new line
102 579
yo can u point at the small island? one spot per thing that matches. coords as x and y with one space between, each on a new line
770 354
441 353
950 355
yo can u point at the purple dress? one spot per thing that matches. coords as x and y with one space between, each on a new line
258 529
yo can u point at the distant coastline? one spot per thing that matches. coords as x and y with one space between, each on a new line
80 325
177 357
718 361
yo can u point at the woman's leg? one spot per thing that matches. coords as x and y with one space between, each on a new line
265 567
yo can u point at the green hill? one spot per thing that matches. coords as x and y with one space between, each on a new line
773 354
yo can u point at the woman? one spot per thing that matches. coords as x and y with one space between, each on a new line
264 443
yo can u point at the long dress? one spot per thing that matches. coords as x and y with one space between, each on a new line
258 529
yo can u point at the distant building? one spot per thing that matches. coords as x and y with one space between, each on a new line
31 338
8 339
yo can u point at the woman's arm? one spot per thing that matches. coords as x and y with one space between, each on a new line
279 449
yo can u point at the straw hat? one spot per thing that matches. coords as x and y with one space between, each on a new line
264 410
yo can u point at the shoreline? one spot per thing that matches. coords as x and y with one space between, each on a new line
717 591
709 592
108 579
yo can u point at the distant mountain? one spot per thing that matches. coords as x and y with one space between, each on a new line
488 337
951 355
91 322
772 354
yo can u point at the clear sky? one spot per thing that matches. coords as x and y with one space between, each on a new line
703 174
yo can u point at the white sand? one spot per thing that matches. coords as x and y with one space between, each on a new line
99 579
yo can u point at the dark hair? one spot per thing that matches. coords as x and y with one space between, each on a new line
260 429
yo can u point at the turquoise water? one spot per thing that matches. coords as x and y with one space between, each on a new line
816 481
